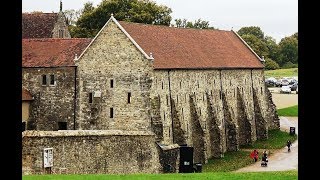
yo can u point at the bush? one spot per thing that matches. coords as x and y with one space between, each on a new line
289 64
271 64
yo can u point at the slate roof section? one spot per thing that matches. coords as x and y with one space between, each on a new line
26 95
184 48
52 52
38 25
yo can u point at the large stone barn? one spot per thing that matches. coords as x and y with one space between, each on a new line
138 92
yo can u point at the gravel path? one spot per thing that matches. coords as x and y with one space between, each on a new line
280 160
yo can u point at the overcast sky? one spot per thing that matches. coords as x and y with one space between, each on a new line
276 18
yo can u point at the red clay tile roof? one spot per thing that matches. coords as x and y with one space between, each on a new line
26 95
38 25
179 48
52 52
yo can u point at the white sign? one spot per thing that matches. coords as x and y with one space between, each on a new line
48 157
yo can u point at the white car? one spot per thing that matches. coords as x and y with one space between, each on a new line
285 89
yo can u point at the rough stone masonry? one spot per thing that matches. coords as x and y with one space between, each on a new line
120 88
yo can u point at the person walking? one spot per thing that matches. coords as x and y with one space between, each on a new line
289 144
254 155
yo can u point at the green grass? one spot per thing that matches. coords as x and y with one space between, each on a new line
230 162
277 139
275 175
282 73
289 111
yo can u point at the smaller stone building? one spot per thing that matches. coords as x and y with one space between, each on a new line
44 25
49 74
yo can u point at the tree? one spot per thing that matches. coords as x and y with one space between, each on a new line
288 50
253 30
198 24
139 11
257 45
271 64
72 16
273 48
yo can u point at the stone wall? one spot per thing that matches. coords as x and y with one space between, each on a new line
229 108
91 152
52 103
62 26
113 57
169 158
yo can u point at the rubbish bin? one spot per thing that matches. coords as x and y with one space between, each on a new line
292 131
198 168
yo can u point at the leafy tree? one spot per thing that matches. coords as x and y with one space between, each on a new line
140 11
273 48
72 16
253 30
271 64
198 24
257 45
289 65
288 50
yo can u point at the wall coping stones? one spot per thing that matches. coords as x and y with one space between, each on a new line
63 133
167 147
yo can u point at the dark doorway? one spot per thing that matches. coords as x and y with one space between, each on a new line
186 159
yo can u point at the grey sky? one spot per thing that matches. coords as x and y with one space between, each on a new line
276 18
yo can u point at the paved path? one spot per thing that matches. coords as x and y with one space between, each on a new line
280 160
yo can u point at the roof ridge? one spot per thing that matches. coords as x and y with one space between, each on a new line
163 26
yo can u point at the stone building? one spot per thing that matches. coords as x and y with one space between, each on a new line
204 88
170 86
48 73
44 25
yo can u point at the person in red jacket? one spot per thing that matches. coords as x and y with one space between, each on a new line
254 155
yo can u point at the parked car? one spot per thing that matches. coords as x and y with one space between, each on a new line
282 82
294 86
285 89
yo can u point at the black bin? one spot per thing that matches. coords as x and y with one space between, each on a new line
198 167
186 159
292 131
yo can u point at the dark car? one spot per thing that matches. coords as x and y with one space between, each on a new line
294 86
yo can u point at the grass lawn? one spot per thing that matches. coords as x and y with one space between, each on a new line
278 73
277 139
289 111
283 175
230 162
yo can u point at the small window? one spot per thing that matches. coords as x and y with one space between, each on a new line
129 97
111 112
200 112
162 84
169 133
164 116
90 97
61 33
261 90
220 94
44 79
111 83
198 84
214 82
177 99
62 125
180 84
23 126
52 79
